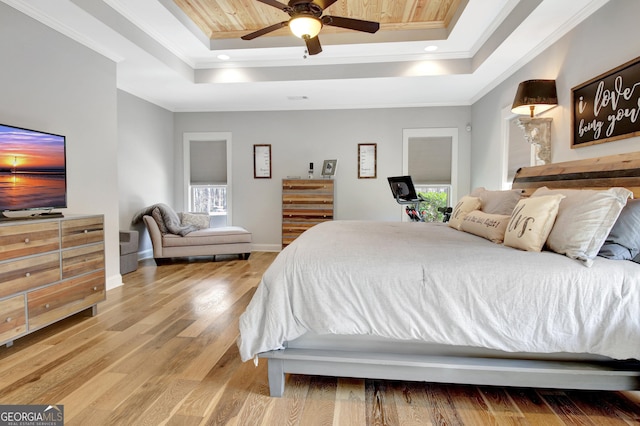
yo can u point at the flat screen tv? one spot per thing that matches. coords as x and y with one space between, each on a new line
33 173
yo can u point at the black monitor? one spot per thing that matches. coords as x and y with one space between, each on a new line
402 188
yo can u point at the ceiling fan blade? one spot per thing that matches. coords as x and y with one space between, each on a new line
324 3
277 4
351 24
264 31
313 45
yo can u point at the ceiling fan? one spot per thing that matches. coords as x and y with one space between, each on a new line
307 20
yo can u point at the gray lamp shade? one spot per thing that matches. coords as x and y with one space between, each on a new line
538 95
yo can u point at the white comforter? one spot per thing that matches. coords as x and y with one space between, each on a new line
433 283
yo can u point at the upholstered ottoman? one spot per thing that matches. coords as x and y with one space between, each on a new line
128 251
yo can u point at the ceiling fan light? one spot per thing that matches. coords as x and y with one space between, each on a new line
305 26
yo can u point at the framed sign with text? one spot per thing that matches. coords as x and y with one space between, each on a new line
262 161
367 160
606 108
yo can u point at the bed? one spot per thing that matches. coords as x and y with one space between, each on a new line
433 302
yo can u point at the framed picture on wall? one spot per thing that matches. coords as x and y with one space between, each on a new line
605 108
262 161
367 160
329 168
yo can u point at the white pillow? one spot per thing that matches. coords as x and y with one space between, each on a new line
485 225
465 205
531 222
584 220
199 220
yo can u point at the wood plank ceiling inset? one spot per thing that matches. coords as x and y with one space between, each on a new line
225 19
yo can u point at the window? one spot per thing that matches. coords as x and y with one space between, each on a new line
210 199
437 197
429 158
207 175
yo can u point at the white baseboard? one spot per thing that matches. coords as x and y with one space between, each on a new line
114 281
145 254
148 254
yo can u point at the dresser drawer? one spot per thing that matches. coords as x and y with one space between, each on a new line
28 239
321 199
58 301
307 185
306 213
13 321
77 232
78 261
25 274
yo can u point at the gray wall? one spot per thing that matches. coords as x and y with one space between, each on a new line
300 137
607 39
146 164
51 83
125 153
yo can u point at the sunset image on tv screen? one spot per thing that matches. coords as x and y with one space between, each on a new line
32 169
30 151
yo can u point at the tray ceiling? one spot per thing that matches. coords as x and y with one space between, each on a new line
187 55
223 19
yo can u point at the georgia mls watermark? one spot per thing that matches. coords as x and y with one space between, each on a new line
31 415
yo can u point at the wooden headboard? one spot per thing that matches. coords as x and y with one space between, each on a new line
593 173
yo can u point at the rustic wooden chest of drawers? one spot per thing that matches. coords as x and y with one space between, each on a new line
305 203
49 269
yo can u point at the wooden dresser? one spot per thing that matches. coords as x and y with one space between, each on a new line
49 269
305 203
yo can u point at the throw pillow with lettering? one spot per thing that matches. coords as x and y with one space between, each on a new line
531 222
486 225
465 205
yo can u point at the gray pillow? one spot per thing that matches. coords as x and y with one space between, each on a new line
157 215
497 202
623 242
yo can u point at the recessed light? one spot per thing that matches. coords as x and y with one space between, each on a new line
224 57
431 48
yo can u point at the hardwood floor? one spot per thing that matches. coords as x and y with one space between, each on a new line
162 351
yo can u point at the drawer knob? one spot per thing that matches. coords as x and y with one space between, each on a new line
9 319
26 241
85 231
28 274
95 289
46 306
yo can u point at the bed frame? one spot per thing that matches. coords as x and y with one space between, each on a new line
374 358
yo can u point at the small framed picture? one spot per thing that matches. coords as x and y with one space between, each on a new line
262 161
329 168
367 160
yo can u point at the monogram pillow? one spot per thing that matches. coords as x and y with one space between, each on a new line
465 205
531 222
